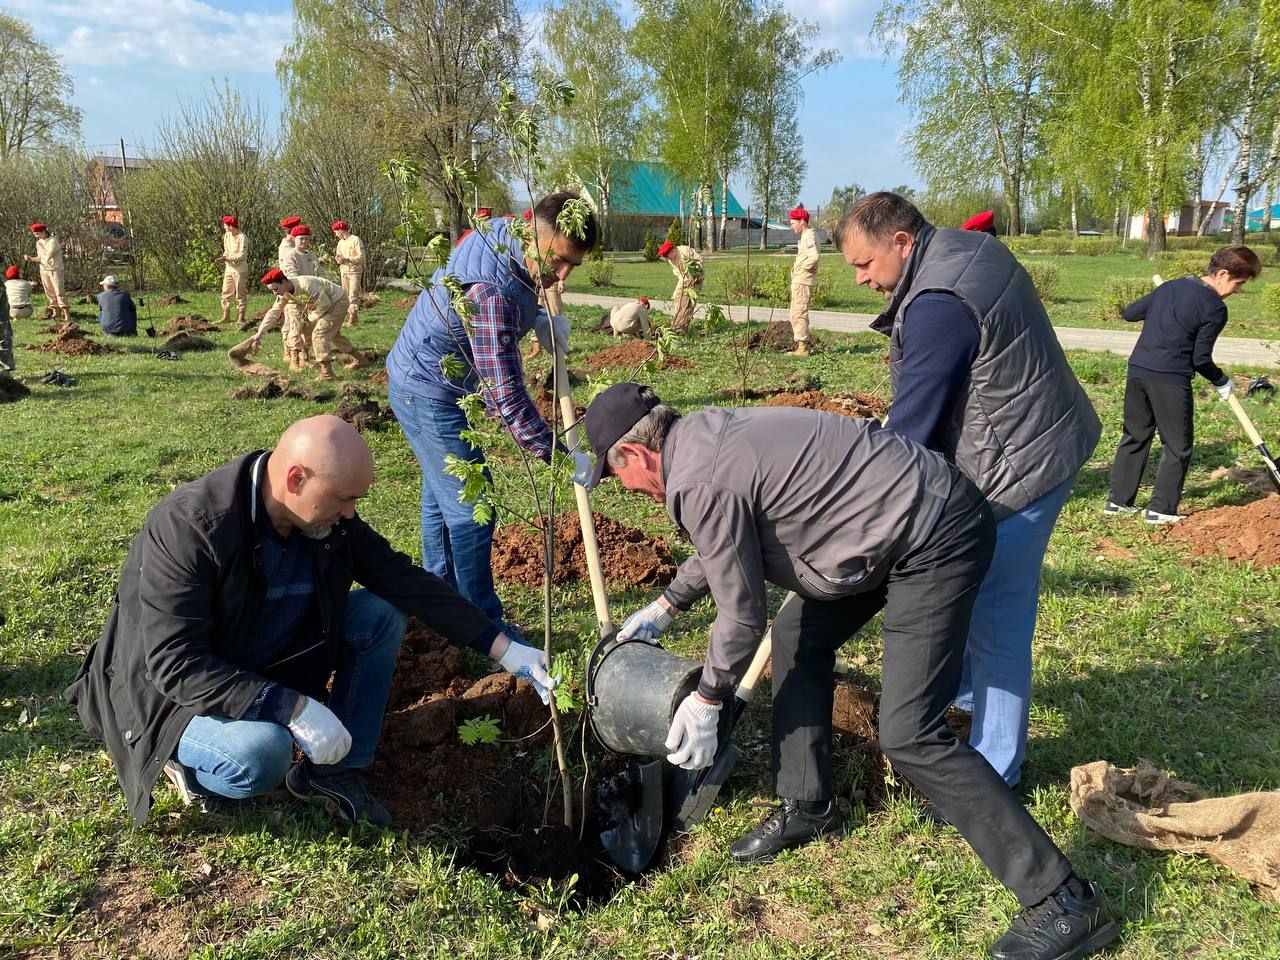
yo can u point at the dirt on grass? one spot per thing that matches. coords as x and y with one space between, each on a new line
545 404
278 387
1108 549
11 390
360 410
194 323
1248 533
71 340
778 336
860 406
629 557
634 354
187 343
1254 479
432 782
171 300
379 378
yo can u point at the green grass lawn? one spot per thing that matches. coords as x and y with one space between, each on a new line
1142 652
1074 305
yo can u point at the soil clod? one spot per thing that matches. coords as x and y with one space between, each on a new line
172 300
360 410
634 354
278 387
629 556
12 390
184 341
71 340
860 406
194 323
778 336
1248 533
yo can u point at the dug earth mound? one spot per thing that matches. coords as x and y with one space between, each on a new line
778 336
630 557
633 354
860 406
1248 533
69 339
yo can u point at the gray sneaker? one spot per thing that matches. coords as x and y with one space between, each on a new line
1117 509
184 783
341 790
1160 519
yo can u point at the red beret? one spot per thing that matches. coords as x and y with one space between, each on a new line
288 223
12 273
301 230
483 212
528 214
231 221
667 247
339 225
799 213
645 301
274 275
984 221
37 228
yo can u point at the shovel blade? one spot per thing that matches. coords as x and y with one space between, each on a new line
691 794
633 841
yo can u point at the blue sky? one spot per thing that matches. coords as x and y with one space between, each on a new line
135 61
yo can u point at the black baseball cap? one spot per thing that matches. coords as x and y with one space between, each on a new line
609 417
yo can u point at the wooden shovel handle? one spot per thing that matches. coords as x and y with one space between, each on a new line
1250 430
747 686
589 545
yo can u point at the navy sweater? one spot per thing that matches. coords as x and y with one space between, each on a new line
116 313
1182 320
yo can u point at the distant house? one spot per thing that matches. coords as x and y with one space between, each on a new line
105 176
1181 222
647 197
1254 222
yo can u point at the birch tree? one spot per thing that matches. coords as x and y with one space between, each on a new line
35 92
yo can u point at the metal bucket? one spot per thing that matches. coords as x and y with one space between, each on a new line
633 689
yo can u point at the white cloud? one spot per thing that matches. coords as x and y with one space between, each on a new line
187 35
845 25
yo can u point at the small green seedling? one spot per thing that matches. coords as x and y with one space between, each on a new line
479 730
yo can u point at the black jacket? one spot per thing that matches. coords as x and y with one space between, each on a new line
184 613
1181 323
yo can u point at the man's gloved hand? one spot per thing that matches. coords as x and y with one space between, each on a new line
320 733
646 624
528 663
1224 389
582 467
693 738
546 327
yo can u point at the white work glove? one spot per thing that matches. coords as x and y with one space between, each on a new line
693 738
582 467
1224 391
527 663
320 733
646 624
545 327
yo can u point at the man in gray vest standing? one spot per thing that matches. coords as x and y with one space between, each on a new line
979 376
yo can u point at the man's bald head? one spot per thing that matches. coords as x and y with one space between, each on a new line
317 472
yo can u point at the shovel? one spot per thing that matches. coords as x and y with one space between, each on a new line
632 842
691 794
1252 433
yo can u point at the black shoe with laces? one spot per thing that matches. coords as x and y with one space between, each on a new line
1069 924
341 790
787 826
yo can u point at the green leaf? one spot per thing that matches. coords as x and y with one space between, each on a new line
484 730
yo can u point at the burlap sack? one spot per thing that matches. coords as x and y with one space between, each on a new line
1144 807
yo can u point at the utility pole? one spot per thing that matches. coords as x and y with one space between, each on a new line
135 262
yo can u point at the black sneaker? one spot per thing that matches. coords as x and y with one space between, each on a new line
341 790
1070 923
787 826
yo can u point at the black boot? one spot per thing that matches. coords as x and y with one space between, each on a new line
1070 923
787 826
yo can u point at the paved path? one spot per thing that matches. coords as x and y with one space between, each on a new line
1229 350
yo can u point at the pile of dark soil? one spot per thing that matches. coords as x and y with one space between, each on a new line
11 390
379 378
630 557
860 406
172 300
496 792
778 336
187 343
278 387
360 410
405 303
194 323
1248 533
368 300
72 341
1254 479
545 403
633 354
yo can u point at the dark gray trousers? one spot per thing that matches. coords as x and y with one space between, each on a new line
927 601
1151 405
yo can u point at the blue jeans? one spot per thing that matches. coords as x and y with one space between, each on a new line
247 758
454 547
996 682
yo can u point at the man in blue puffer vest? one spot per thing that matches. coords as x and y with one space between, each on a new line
496 269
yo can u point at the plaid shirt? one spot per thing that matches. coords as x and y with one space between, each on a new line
495 347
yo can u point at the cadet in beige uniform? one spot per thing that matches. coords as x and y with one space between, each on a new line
18 293
295 260
631 319
803 272
49 256
686 264
235 274
350 256
325 304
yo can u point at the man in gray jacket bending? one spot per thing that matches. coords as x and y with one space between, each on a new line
854 519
